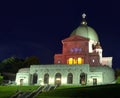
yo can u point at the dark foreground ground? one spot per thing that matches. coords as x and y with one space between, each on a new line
103 91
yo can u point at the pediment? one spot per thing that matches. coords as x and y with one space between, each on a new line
75 38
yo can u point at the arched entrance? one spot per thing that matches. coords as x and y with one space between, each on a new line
57 79
21 81
35 78
46 78
82 78
70 78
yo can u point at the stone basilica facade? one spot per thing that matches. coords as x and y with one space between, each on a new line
80 63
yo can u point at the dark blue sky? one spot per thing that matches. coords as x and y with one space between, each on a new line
37 28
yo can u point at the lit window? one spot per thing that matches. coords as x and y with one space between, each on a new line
70 61
75 60
80 60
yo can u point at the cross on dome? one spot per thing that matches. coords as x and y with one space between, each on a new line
83 21
83 15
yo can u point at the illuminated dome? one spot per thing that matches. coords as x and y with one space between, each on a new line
85 31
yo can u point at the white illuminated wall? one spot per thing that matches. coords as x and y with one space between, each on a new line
91 42
102 74
25 77
107 61
94 75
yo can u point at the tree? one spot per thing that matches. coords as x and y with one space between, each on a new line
11 64
1 79
31 61
118 80
117 72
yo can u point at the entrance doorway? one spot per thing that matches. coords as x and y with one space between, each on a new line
21 81
46 78
82 78
58 79
94 81
35 78
70 78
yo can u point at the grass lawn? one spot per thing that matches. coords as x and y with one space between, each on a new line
8 91
104 91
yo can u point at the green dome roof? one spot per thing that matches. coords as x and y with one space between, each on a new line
85 31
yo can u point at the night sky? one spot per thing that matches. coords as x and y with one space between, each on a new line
37 28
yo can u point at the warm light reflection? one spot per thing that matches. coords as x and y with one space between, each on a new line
58 79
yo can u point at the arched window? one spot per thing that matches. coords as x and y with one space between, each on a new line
82 78
58 78
46 78
35 78
78 60
70 78
70 61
